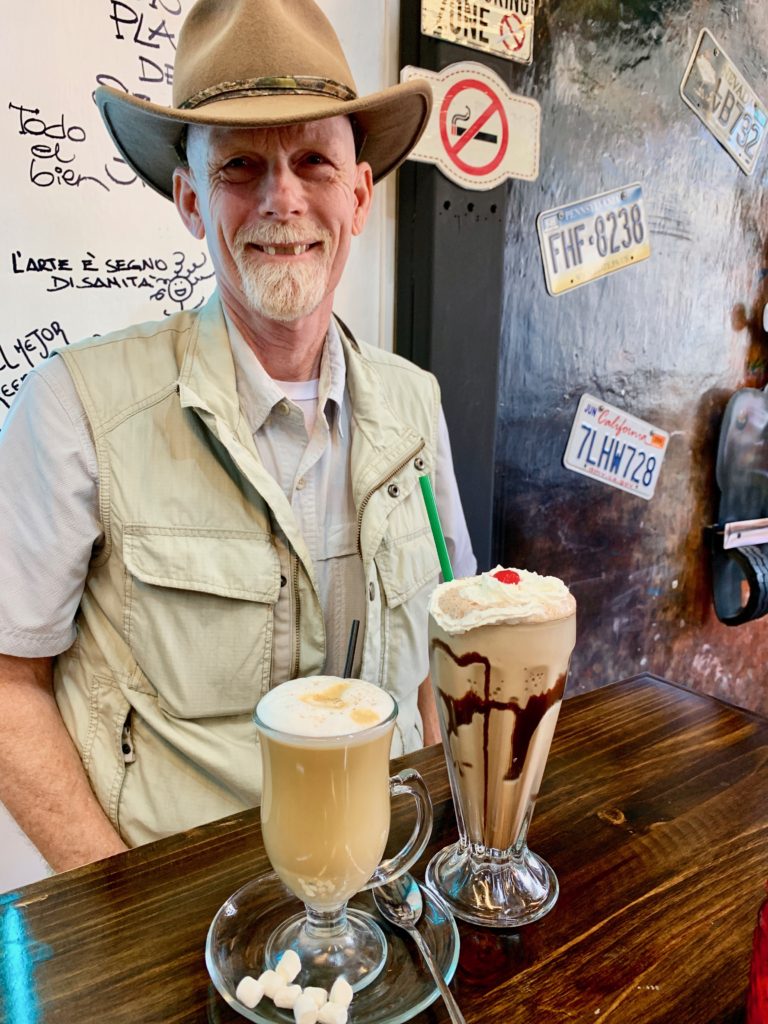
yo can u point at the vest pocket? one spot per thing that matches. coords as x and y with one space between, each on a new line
406 564
199 616
409 570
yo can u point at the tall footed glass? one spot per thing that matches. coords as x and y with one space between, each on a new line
325 816
498 686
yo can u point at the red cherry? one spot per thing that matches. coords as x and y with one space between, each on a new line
506 576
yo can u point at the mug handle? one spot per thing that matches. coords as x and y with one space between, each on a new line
407 781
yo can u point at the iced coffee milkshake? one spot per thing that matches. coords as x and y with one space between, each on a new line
500 644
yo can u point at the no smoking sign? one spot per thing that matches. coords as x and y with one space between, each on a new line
473 127
479 133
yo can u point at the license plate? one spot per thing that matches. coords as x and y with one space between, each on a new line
618 449
593 237
722 98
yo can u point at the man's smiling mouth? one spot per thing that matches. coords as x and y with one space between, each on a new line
293 249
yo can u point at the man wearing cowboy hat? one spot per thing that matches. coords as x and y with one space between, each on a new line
231 487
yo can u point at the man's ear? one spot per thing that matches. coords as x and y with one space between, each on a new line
364 195
185 196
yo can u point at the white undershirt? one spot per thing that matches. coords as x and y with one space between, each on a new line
304 394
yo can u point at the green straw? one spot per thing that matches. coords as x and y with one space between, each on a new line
437 530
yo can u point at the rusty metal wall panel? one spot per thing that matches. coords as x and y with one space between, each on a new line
668 340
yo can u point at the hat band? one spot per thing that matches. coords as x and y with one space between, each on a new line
271 86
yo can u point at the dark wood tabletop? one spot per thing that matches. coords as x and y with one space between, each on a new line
653 813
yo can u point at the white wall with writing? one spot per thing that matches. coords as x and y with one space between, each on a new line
86 247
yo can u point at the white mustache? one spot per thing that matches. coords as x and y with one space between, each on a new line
280 234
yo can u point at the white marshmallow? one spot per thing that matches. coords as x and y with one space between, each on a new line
249 991
286 996
289 965
332 1013
271 982
305 1010
341 992
318 994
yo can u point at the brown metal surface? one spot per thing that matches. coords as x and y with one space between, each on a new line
652 813
668 340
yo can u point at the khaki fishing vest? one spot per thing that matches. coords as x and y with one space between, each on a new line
174 631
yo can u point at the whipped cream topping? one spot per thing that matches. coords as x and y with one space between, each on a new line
483 600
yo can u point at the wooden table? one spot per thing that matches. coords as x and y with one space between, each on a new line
653 813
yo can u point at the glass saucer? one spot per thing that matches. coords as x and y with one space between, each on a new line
240 929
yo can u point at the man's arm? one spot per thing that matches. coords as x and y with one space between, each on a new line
42 781
428 712
449 506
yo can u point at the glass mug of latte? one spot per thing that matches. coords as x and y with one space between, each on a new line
325 814
500 647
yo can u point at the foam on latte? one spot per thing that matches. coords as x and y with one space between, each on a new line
323 706
490 598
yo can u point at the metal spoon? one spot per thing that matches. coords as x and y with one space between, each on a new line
400 902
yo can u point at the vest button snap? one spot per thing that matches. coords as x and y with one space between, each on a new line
419 464
371 591
283 581
393 491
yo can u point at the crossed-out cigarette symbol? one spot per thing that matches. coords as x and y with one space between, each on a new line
457 129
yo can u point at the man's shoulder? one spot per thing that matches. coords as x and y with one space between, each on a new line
391 391
120 371
146 331
396 365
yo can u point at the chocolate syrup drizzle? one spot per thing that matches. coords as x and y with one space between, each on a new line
461 711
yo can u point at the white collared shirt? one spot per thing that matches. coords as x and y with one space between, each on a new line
313 471
49 501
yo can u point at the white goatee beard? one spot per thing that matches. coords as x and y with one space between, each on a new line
286 291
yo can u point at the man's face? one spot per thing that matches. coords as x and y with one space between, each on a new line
278 207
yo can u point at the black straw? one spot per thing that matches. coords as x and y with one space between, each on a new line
351 648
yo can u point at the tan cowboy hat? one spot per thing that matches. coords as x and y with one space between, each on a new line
258 63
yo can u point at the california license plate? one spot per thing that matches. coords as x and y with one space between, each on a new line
723 99
615 448
593 237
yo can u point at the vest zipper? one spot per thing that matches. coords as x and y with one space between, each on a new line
296 616
381 483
